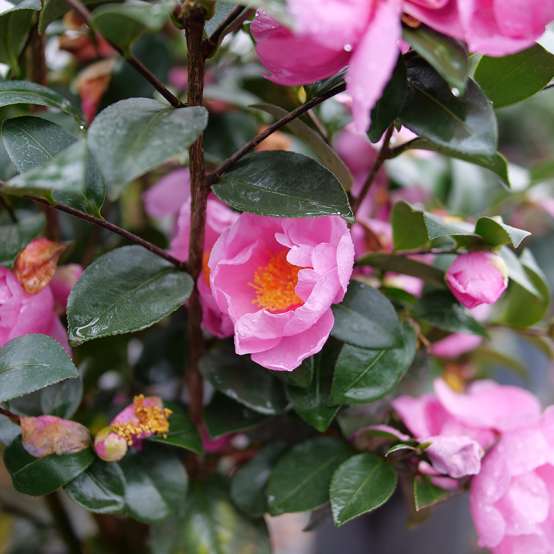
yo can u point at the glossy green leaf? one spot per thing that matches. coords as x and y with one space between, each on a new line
182 431
360 485
517 272
156 484
123 23
30 363
123 291
282 184
224 416
300 480
445 54
363 376
514 78
366 318
210 525
242 380
131 137
62 399
24 92
249 482
100 489
15 236
326 155
497 233
303 375
40 476
426 494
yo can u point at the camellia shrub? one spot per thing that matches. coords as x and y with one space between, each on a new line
266 258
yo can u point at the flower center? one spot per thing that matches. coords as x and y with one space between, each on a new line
275 284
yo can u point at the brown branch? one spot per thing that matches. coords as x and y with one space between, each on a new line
194 26
211 43
377 165
10 415
250 146
82 10
63 523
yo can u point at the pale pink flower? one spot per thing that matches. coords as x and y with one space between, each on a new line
477 278
45 435
168 195
456 456
277 278
455 345
64 280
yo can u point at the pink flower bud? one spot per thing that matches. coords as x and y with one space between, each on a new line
455 345
477 278
455 456
45 435
109 446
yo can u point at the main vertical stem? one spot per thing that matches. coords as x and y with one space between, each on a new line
199 199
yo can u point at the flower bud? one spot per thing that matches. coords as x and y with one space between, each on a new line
455 456
109 446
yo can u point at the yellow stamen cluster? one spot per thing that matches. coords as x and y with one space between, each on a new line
275 284
149 419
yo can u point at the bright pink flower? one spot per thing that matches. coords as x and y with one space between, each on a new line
22 313
45 435
276 278
456 456
63 281
477 278
455 345
512 499
168 195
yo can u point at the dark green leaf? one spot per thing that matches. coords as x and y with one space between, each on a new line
242 380
126 290
514 78
62 399
249 483
445 54
182 431
30 363
40 476
155 484
300 480
362 376
100 489
517 272
131 137
426 494
15 236
282 184
303 375
497 233
366 318
360 485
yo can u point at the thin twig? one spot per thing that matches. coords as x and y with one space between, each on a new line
63 523
82 10
212 42
10 415
400 149
250 146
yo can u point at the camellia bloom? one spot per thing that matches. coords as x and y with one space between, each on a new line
276 278
512 499
145 417
64 280
477 278
45 435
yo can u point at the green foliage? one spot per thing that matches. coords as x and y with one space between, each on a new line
426 494
16 235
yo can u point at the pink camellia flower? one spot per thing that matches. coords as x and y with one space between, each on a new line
512 499
168 195
145 417
64 280
276 278
45 435
22 313
455 345
477 278
456 456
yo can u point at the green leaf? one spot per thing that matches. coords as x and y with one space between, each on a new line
122 24
389 106
445 54
249 482
426 494
32 141
514 78
100 489
326 155
303 375
224 416
440 309
123 291
40 476
242 380
360 485
131 137
275 8
403 265
182 431
15 236
211 524
15 25
282 184
24 92
55 9
312 403
517 272
62 399
497 233
366 318
155 484
30 363
300 480
363 376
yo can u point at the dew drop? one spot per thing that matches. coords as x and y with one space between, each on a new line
456 91
348 48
